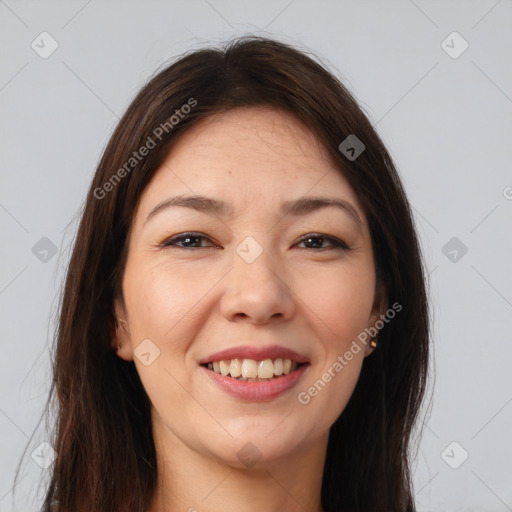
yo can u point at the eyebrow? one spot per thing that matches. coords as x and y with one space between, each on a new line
297 207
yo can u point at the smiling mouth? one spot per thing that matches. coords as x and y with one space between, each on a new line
250 370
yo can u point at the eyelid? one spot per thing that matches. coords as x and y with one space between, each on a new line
189 234
336 243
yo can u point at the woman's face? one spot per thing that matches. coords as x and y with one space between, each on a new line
251 278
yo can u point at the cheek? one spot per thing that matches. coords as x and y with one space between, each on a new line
340 300
164 307
326 395
164 300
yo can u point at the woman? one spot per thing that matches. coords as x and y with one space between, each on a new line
244 324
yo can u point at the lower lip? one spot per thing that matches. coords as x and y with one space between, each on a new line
257 391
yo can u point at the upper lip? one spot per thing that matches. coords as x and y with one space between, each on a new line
256 353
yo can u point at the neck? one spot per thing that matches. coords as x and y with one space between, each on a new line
197 482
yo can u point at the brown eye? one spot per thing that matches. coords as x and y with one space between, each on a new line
316 241
187 241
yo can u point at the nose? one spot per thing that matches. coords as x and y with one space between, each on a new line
257 292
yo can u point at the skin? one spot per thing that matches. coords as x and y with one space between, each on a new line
192 302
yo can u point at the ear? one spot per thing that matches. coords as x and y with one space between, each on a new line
120 332
379 308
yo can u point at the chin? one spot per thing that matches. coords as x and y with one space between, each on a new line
256 448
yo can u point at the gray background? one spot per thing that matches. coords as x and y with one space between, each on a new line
447 122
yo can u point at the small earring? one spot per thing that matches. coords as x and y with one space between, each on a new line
119 346
373 342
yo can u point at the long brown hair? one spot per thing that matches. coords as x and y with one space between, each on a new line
103 436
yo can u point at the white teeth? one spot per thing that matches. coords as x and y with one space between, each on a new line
235 368
250 369
224 367
266 369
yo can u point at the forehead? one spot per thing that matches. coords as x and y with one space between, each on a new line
248 154
255 135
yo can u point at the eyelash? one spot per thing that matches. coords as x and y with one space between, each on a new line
336 243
